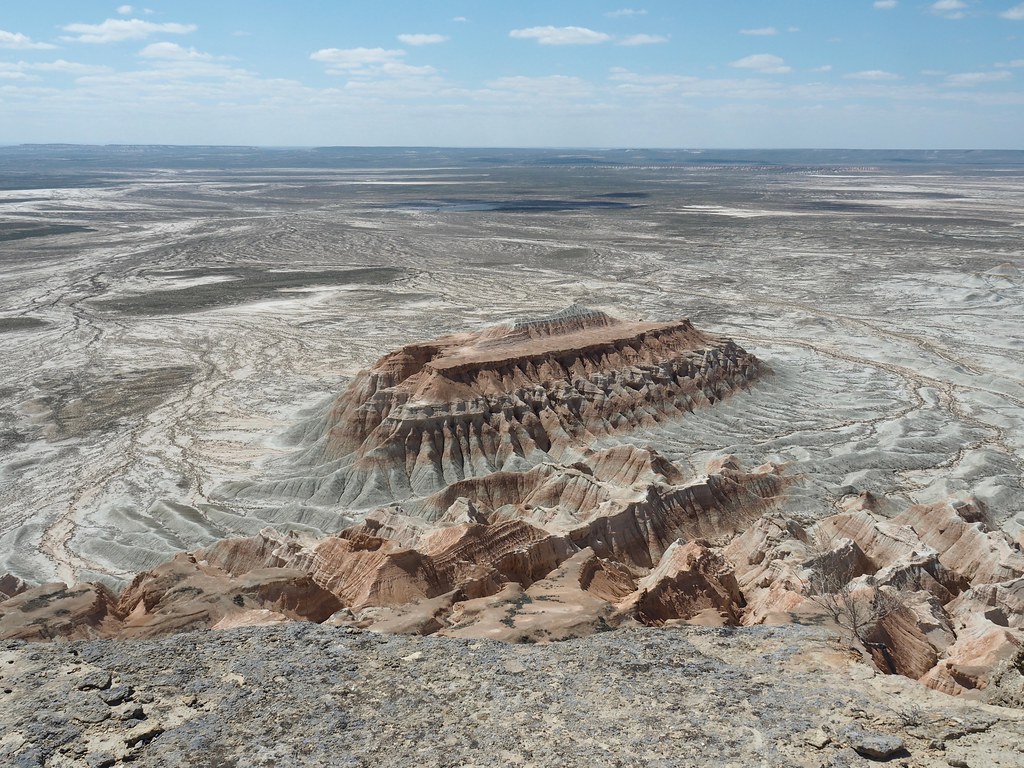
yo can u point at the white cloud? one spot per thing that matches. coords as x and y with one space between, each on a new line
766 31
174 93
368 62
460 19
643 40
623 13
624 75
21 42
672 87
20 70
823 68
766 63
1014 14
116 30
356 58
949 9
1014 63
877 75
560 35
422 39
124 10
9 71
173 52
69 67
549 86
977 78
885 5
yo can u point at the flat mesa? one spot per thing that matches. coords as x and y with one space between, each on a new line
589 334
515 395
482 349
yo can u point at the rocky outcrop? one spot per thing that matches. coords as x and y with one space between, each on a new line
10 586
965 543
56 610
910 637
481 534
184 594
690 581
557 534
980 648
1002 604
177 596
493 565
563 551
571 601
914 590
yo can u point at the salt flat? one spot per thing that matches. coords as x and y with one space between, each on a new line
168 328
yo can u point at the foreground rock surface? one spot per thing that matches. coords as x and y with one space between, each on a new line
308 695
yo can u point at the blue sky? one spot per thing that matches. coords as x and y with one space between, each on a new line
670 73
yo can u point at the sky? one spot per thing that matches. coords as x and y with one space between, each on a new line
926 74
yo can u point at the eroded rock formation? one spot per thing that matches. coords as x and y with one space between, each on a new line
505 399
10 586
506 518
931 593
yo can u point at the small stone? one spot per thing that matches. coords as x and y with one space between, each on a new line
957 762
875 746
98 679
133 713
979 723
817 738
118 695
143 734
100 760
88 709
33 758
417 656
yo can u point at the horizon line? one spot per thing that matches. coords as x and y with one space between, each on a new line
552 148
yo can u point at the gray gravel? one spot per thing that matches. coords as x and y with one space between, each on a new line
307 695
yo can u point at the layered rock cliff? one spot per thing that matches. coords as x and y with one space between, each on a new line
505 399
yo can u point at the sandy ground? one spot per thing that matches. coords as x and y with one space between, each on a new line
170 346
